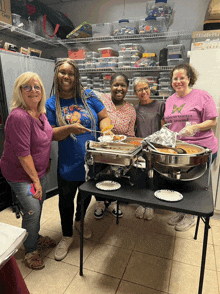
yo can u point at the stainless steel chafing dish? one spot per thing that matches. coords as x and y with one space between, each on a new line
183 167
110 158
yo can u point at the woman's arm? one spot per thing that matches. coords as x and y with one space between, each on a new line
61 133
29 167
104 120
162 122
204 126
131 125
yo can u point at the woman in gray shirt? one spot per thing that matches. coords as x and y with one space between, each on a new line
148 121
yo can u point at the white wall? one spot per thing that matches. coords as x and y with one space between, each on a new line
189 14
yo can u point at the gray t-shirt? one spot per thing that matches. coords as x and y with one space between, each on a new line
149 118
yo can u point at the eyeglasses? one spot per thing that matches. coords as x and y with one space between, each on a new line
142 90
28 88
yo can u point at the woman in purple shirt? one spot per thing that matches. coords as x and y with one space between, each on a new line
26 156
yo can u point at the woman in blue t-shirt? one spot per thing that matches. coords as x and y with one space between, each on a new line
76 109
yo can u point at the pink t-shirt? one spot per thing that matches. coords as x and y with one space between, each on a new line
25 135
196 107
123 119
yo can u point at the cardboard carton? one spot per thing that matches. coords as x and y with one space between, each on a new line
5 11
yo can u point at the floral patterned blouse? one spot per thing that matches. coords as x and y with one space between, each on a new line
123 119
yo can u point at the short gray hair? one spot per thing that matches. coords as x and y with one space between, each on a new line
139 80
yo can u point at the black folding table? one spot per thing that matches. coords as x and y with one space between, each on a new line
197 200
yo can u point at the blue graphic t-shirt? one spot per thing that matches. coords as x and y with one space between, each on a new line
72 152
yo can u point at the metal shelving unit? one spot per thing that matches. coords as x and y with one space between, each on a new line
25 35
138 37
126 69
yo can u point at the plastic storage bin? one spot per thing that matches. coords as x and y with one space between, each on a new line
149 59
165 92
131 46
164 82
161 9
164 74
79 61
129 58
174 62
107 62
152 24
89 65
91 55
175 51
107 52
127 64
129 53
102 30
125 27
16 19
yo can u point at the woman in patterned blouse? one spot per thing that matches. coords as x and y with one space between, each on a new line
123 116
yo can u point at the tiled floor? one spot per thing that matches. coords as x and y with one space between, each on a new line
134 257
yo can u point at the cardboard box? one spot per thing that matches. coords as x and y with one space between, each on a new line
5 11
34 52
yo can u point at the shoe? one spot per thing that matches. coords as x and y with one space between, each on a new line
174 220
87 233
139 212
149 213
45 242
112 207
186 223
62 248
34 261
100 209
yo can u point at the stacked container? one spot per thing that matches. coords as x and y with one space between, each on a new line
165 88
149 59
125 27
152 24
106 82
80 63
86 81
175 54
129 54
161 8
91 59
97 83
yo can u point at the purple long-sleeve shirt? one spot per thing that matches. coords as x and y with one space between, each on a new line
25 135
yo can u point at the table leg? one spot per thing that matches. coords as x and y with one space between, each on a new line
197 227
204 249
117 218
81 237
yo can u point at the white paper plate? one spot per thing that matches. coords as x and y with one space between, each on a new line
105 138
168 195
108 185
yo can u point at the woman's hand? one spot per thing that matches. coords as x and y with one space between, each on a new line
189 131
38 189
78 129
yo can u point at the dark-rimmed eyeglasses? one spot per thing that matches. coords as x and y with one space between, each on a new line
29 88
141 90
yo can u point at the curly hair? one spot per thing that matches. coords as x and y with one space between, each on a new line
78 91
190 72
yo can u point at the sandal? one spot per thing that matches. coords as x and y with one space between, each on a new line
45 242
33 260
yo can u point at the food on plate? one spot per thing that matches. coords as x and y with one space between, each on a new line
118 138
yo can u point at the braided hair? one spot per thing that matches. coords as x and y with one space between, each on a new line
78 91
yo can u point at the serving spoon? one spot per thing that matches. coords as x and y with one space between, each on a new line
178 150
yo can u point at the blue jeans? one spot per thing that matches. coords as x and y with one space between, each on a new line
31 209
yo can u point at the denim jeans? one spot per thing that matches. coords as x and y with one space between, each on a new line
31 209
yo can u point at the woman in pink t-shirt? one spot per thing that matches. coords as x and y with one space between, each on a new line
195 107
